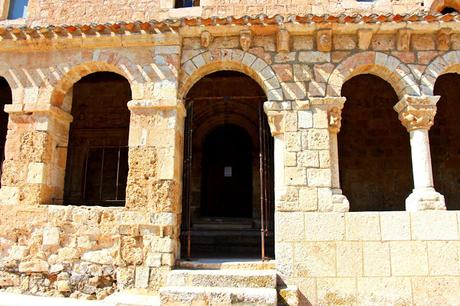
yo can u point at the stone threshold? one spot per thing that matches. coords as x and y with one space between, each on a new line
226 263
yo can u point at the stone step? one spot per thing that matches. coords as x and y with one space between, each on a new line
223 278
227 264
222 296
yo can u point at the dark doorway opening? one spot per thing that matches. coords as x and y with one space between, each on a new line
228 191
227 176
97 153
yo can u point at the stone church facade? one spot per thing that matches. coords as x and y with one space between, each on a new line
325 129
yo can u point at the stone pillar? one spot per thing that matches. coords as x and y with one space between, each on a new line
155 173
35 154
417 116
333 107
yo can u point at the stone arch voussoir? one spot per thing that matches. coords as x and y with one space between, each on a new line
446 63
388 67
67 77
208 62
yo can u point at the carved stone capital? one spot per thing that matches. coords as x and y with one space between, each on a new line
417 112
333 106
275 112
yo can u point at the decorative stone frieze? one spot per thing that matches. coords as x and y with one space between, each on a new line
282 41
324 40
403 40
443 39
206 39
245 39
417 116
364 38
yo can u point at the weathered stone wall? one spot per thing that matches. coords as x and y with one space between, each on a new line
53 12
302 70
85 252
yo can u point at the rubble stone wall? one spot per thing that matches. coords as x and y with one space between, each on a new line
53 12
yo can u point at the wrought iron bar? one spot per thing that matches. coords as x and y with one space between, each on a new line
117 183
101 180
261 175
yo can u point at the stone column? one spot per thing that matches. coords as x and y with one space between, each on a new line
417 116
35 154
333 107
155 174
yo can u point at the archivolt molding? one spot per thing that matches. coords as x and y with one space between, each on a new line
446 63
382 65
195 68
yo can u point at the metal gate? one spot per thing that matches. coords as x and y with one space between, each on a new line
266 182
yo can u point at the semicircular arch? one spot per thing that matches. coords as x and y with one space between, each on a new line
387 67
446 63
62 86
254 67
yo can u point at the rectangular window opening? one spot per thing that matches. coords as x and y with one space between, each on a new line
186 3
18 9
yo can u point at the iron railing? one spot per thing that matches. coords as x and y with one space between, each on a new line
99 178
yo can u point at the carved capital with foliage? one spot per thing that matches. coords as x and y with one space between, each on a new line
417 112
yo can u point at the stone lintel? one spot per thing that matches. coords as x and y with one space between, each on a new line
417 112
38 108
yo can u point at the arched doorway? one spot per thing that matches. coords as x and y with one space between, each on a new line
228 170
374 151
97 152
444 136
5 98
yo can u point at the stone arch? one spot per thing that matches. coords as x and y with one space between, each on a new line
438 5
446 63
206 63
382 65
76 73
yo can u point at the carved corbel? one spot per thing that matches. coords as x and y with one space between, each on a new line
324 40
403 40
282 41
417 112
245 39
206 39
364 38
443 39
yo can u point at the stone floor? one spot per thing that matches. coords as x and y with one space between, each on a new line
117 299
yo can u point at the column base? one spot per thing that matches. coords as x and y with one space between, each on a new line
425 199
340 202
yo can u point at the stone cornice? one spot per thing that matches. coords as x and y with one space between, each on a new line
38 108
161 104
417 112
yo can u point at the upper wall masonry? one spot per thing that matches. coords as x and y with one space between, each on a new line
45 12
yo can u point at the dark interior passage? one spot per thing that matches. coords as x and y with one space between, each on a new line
374 149
444 140
222 183
5 98
97 155
227 173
